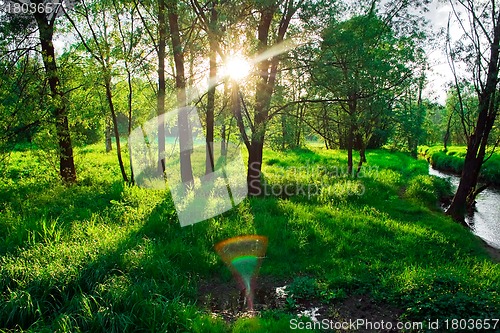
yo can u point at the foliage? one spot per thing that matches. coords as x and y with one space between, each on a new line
461 110
409 118
23 109
434 123
302 287
444 294
371 66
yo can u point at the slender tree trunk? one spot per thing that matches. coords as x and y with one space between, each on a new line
362 158
185 138
223 147
109 96
127 51
160 102
67 169
284 132
209 165
447 133
350 136
129 130
301 108
349 153
109 143
224 131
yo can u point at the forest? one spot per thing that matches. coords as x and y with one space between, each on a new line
247 165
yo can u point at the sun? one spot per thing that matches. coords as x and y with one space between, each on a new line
237 68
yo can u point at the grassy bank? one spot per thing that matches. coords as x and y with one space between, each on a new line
452 160
104 257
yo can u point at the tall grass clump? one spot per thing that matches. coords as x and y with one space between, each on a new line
428 189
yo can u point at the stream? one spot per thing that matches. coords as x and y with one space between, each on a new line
485 222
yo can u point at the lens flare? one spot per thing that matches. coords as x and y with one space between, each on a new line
243 255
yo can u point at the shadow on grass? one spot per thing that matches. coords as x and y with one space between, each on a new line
41 211
146 280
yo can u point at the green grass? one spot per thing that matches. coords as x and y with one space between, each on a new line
101 256
452 160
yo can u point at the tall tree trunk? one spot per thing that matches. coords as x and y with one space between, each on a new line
160 102
476 146
266 71
263 92
67 169
185 137
350 162
109 142
447 134
127 52
350 135
284 132
129 130
109 96
255 167
209 165
300 120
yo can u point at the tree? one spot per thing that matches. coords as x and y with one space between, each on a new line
409 116
161 52
23 92
369 65
482 57
26 25
461 112
210 24
265 71
98 44
185 145
128 37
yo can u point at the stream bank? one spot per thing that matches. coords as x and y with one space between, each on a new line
485 221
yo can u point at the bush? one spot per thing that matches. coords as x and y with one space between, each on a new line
447 162
303 288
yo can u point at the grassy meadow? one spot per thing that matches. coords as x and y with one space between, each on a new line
102 256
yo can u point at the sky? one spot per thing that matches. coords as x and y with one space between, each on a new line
439 75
